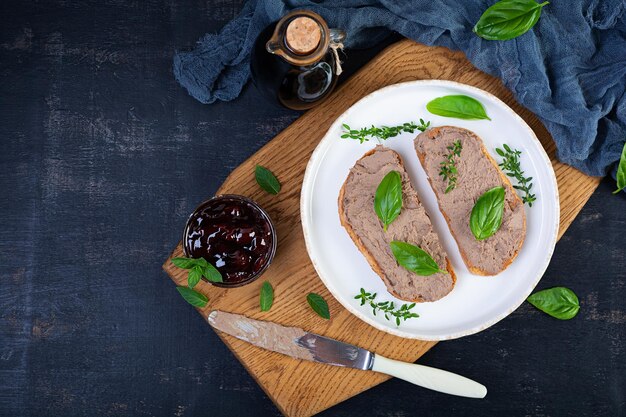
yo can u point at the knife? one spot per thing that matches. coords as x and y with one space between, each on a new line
295 342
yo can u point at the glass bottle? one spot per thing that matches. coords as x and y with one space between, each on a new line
295 61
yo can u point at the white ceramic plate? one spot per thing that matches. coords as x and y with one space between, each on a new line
476 302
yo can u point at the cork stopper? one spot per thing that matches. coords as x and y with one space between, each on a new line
303 35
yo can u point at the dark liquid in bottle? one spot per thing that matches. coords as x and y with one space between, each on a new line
302 87
231 234
295 87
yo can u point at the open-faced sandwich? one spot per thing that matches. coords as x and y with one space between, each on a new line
411 228
461 171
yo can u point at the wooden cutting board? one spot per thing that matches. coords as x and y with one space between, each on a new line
300 388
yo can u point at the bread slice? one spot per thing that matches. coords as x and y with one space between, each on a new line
356 211
477 173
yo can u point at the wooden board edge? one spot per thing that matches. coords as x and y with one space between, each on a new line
167 268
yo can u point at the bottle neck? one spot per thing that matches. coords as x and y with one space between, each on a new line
301 38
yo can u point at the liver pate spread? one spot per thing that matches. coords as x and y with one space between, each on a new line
264 334
356 207
477 173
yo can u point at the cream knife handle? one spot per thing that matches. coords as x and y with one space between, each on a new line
431 378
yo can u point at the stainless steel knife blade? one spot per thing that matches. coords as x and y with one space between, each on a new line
292 341
297 343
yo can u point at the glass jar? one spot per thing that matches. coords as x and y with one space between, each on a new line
235 235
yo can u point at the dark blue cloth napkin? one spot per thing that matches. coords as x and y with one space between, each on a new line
570 69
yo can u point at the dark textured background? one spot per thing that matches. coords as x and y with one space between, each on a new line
103 155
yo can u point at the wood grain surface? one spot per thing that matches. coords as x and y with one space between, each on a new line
302 388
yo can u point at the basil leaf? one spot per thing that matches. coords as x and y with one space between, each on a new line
414 259
193 297
212 274
194 276
267 296
621 172
185 263
388 199
188 263
459 106
508 19
559 302
266 180
319 305
486 217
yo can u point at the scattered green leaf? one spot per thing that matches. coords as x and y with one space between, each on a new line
319 305
266 298
266 180
621 172
193 297
458 106
508 19
559 302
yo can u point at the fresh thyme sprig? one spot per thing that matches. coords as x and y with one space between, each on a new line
448 167
511 166
387 307
384 132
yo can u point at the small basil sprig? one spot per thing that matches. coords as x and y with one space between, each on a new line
621 172
486 217
458 106
198 268
319 305
559 302
193 297
266 180
508 19
266 298
388 198
414 259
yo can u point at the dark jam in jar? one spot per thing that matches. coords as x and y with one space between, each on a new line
233 234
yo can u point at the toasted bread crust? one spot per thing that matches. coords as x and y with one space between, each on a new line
368 256
432 133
